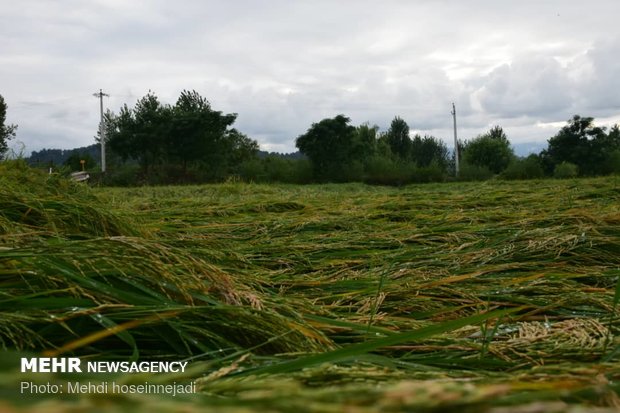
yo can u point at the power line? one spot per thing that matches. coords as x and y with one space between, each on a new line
100 95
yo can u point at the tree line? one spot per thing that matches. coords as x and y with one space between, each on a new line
189 141
340 152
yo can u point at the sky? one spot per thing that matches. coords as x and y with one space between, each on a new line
281 65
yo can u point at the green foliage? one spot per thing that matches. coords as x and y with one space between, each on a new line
185 142
565 170
140 133
199 133
469 172
341 153
524 168
583 144
383 170
7 132
276 169
398 138
491 151
434 172
240 147
429 150
332 145
611 152
367 136
123 175
612 162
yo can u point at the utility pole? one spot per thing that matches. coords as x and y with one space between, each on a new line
456 142
100 95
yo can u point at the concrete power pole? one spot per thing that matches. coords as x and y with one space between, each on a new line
100 95
456 142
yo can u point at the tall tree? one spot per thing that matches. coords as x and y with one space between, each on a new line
398 138
7 132
331 145
140 133
240 147
580 142
198 133
367 137
491 150
429 149
188 133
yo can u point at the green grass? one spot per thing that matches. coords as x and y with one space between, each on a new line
447 297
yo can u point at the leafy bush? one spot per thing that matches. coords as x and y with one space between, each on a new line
252 170
382 170
125 175
431 173
565 170
470 172
491 151
352 171
276 169
524 168
612 162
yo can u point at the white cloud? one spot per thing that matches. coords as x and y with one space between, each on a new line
282 65
533 85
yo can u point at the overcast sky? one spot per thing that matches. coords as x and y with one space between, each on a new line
282 64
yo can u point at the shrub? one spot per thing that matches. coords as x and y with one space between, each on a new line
527 168
125 175
612 163
565 170
470 172
431 173
301 172
276 169
382 170
491 151
252 170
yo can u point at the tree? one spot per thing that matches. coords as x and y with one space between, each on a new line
7 132
612 160
606 152
175 138
140 133
428 150
367 138
199 133
332 145
581 143
491 150
398 138
524 168
239 148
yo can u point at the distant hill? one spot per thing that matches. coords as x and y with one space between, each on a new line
57 157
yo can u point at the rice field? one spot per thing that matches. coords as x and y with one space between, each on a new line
464 297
